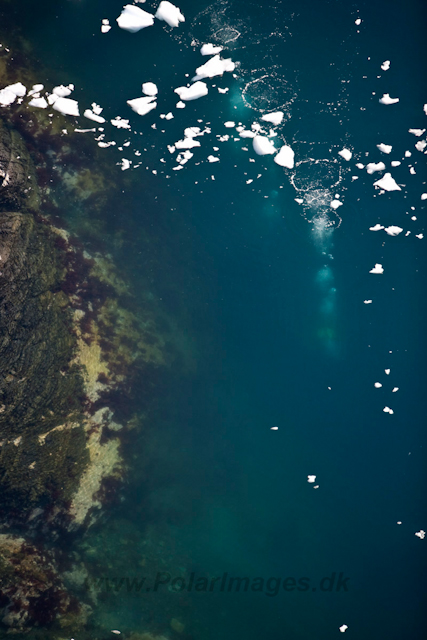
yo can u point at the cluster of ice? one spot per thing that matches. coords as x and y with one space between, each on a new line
94 113
285 157
169 13
142 106
421 534
9 94
61 91
387 183
196 90
384 148
210 49
105 26
385 65
275 117
377 269
387 100
346 154
215 66
388 410
66 106
393 230
134 19
263 146
120 123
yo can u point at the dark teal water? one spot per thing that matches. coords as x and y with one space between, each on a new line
276 309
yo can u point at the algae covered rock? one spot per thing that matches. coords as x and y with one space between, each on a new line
17 183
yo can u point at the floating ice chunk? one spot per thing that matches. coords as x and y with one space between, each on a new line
180 105
311 479
229 124
358 21
134 19
378 385
18 89
66 106
395 163
61 91
408 154
367 302
125 164
195 91
9 94
149 88
395 389
385 148
223 90
417 132
387 371
105 26
36 88
344 627
385 65
346 154
210 49
275 118
213 159
388 410
371 167
421 534
336 203
263 146
116 631
387 100
377 227
88 113
387 183
274 428
215 66
377 269
393 231
169 116
40 103
169 13
120 123
285 157
142 106
421 145
425 109
424 196
247 134
359 165
188 142
420 236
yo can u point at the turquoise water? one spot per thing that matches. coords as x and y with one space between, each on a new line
271 295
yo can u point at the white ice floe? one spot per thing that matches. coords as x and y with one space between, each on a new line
377 269
417 132
229 124
61 91
385 148
343 627
210 49
420 236
385 65
215 66
223 90
387 183
408 154
336 203
89 113
142 106
285 157
134 19
367 302
105 26
424 196
9 94
149 88
311 479
275 118
378 385
247 134
120 123
387 100
425 109
40 103
358 21
388 410
263 146
195 91
393 230
421 534
387 371
36 88
169 13
395 163
274 428
180 105
377 227
346 154
395 389
66 106
213 159
421 145
371 167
